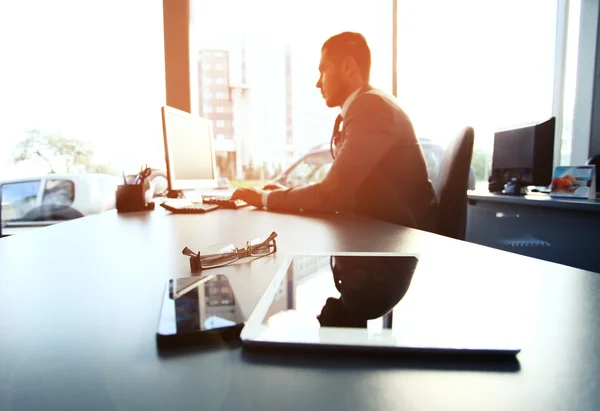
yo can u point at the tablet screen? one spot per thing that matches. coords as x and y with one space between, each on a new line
342 291
384 300
195 304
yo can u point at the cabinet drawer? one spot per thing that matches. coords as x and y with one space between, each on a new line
558 235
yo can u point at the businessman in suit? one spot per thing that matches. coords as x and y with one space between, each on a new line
378 169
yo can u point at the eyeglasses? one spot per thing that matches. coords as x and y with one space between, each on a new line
223 254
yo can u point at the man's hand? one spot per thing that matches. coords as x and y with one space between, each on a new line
252 196
274 186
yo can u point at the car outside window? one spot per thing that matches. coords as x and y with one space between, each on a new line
432 160
18 199
314 167
310 170
320 173
58 193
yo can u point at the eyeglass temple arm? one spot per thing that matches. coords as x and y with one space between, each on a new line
188 252
269 238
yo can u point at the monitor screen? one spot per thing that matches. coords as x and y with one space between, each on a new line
188 150
513 149
525 154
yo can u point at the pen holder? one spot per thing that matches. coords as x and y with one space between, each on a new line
132 197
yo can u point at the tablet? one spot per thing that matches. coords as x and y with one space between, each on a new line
199 309
380 301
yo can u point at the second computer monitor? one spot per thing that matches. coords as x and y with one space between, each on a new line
189 152
525 153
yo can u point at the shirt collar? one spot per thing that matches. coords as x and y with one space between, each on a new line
349 101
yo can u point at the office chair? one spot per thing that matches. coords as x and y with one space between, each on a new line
451 185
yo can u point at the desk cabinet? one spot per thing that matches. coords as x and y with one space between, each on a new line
561 231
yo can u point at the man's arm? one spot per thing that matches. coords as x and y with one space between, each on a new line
369 135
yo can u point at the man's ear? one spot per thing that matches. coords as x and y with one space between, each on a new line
349 65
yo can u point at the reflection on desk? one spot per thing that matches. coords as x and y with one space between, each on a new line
388 302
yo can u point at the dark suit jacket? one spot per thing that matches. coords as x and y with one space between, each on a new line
379 170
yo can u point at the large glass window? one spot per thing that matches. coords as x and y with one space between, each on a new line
83 70
309 170
82 83
273 52
486 64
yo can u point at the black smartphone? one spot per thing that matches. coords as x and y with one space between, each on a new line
199 310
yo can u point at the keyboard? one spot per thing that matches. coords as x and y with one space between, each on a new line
225 202
182 206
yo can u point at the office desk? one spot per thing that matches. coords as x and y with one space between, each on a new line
564 231
79 304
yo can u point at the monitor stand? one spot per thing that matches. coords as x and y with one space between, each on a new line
515 187
191 194
175 194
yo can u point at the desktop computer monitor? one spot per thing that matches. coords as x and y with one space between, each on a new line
524 154
1 205
189 154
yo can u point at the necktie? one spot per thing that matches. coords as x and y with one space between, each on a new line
335 136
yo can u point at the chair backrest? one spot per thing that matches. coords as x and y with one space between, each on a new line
452 183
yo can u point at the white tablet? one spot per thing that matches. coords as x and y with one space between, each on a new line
383 301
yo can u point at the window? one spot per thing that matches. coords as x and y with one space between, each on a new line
208 95
220 81
220 96
220 136
58 193
19 199
267 71
310 170
60 98
207 81
489 65
220 123
320 173
207 66
208 109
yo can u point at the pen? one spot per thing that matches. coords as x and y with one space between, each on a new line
124 178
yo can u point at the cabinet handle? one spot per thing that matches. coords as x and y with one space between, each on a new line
500 214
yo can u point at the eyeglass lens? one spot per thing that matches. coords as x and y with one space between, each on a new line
217 255
260 246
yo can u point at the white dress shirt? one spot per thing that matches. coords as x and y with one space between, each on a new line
344 110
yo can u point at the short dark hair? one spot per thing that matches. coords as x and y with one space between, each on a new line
351 44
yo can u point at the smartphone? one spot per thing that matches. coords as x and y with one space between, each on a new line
199 310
